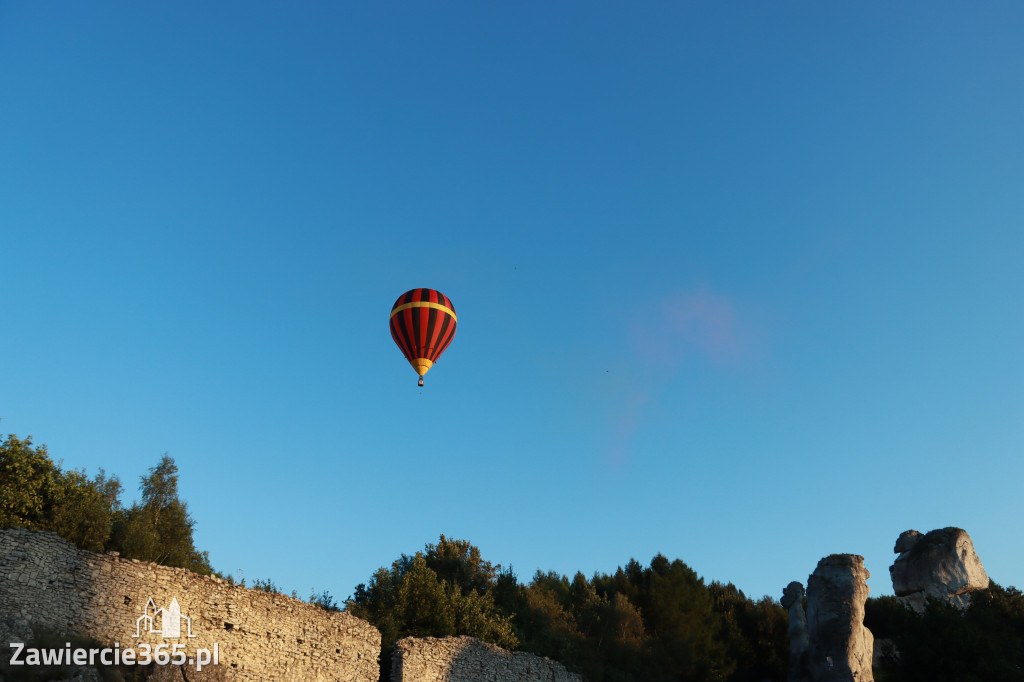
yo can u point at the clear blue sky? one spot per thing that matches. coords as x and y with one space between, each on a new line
739 283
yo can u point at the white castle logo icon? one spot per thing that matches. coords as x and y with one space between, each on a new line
169 620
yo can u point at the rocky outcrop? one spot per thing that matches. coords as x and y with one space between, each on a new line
839 646
793 601
939 565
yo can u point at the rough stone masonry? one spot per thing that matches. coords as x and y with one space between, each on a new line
465 659
45 581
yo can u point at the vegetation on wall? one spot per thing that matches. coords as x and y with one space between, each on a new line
36 493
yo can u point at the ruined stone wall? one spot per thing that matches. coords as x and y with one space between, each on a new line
46 581
465 659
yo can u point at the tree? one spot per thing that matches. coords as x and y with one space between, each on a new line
83 510
638 625
411 600
755 633
679 620
459 563
27 476
679 614
35 493
983 642
159 528
543 623
323 599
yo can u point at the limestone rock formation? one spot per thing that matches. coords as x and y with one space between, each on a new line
840 647
793 601
941 565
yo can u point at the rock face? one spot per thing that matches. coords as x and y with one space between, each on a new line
840 647
793 601
941 565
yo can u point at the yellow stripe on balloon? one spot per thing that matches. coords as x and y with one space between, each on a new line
425 304
421 365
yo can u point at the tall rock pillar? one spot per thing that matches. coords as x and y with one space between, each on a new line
839 646
793 601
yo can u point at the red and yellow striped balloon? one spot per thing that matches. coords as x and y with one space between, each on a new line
423 324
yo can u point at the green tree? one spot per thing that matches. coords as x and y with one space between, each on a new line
83 510
680 616
638 625
543 622
680 623
159 527
756 634
324 599
35 493
611 643
983 642
458 562
27 476
411 600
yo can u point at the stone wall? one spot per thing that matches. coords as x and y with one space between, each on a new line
465 659
46 581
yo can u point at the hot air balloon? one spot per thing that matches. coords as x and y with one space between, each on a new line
422 324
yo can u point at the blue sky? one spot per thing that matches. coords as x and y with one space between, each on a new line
738 283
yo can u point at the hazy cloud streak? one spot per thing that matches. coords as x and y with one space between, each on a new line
683 327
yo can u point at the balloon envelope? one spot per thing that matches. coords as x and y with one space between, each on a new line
423 324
